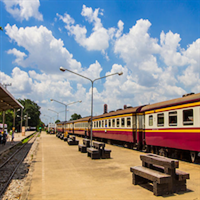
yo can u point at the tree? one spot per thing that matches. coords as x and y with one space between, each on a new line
8 118
32 110
1 28
57 121
75 116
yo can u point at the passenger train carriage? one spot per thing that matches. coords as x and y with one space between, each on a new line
122 125
174 124
168 128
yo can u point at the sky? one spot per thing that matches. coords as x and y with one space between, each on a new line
155 43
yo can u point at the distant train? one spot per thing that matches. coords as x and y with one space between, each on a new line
170 128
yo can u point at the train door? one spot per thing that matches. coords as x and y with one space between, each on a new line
134 125
140 137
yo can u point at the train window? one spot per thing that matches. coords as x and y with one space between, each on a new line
109 123
160 119
100 124
173 118
122 122
106 123
128 122
113 123
117 122
97 124
188 117
150 120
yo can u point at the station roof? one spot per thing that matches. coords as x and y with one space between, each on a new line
7 101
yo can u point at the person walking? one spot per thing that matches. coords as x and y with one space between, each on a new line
12 135
4 137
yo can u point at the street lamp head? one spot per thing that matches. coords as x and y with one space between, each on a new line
120 73
51 99
80 101
62 69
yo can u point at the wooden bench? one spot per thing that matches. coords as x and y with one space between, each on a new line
93 153
160 180
83 147
105 153
162 172
72 140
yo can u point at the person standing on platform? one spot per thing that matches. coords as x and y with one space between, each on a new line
4 137
12 135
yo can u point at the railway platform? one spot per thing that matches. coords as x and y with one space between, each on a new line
17 138
60 172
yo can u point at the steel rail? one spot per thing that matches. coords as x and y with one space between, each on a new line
18 164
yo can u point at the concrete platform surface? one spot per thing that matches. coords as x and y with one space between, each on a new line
61 172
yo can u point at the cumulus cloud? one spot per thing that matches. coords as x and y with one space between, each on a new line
20 55
170 51
23 9
45 52
99 37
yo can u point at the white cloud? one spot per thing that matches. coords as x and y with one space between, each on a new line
137 45
21 82
23 9
170 49
120 30
44 51
99 37
20 55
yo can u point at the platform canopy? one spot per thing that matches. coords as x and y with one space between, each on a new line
7 101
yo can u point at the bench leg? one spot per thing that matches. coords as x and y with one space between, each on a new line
83 150
89 154
138 180
160 189
180 186
95 156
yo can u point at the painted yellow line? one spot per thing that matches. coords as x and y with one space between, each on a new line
174 130
174 107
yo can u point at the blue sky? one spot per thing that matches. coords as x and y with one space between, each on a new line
155 43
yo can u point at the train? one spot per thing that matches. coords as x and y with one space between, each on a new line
170 128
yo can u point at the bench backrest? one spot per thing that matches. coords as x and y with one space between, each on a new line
98 145
169 165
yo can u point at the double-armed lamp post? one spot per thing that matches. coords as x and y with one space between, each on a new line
92 81
66 106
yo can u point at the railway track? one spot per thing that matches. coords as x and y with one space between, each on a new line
12 161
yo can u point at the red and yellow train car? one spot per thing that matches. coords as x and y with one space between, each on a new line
174 126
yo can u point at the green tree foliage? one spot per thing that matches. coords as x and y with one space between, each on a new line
32 110
75 116
57 121
1 28
8 118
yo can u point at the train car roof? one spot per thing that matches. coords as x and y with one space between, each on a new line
79 120
173 102
120 112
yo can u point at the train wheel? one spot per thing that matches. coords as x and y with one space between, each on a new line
148 148
163 152
192 156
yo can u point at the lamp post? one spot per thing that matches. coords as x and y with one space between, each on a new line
55 112
92 81
66 107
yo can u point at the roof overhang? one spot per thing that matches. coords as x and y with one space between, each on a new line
7 101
